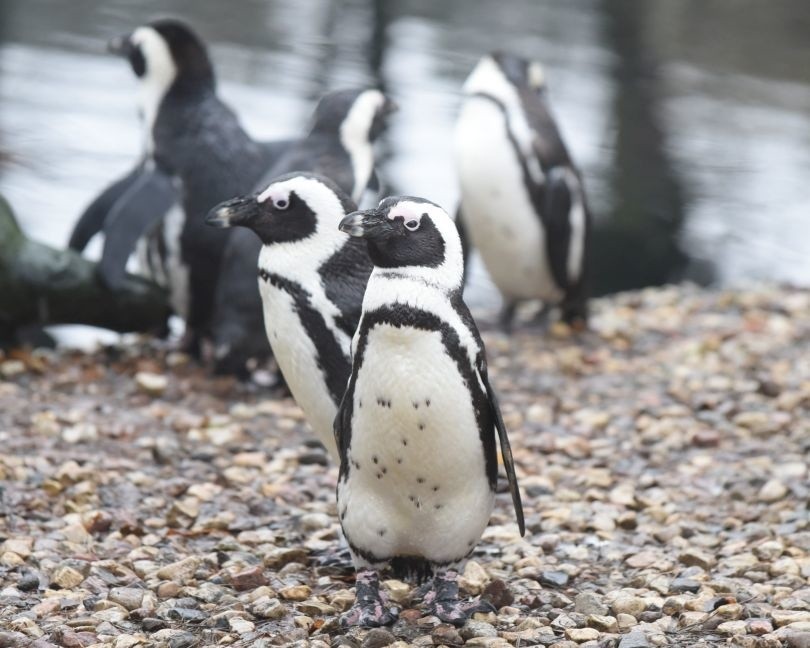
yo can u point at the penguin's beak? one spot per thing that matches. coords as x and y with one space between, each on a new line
238 211
368 224
390 106
120 45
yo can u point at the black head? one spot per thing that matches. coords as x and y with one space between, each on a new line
289 209
519 71
361 113
405 231
166 50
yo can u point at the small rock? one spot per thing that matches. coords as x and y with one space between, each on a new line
625 604
759 626
581 635
295 593
474 578
151 624
446 635
684 585
377 638
180 571
553 578
183 640
634 640
732 628
797 640
626 621
267 608
315 608
474 629
315 521
128 597
169 589
785 617
66 577
241 626
696 557
80 433
590 603
397 590
248 579
498 593
772 491
151 383
29 582
604 623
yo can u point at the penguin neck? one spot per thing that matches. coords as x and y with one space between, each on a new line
300 260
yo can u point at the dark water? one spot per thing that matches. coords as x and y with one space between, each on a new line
690 118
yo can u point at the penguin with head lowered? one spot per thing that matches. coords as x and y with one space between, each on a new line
196 139
339 146
522 198
416 428
312 278
127 210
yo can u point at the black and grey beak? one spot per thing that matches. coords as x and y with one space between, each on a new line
366 224
237 211
389 106
120 45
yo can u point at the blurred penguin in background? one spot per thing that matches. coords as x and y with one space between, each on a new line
523 203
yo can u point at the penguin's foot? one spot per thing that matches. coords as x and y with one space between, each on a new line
442 601
369 609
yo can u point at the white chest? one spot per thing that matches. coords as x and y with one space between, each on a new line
417 482
296 355
497 209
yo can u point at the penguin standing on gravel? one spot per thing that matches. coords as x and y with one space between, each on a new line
522 198
338 146
130 207
312 278
196 139
416 427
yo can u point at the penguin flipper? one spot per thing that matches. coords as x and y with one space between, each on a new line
506 450
144 203
557 203
92 219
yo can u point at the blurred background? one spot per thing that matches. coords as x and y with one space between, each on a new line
689 119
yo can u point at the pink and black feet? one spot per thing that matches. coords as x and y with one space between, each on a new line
442 600
370 604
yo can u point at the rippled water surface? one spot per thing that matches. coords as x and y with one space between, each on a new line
690 119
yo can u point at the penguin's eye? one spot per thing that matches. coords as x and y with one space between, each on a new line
412 225
281 203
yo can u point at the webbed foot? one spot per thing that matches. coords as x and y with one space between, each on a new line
442 601
369 609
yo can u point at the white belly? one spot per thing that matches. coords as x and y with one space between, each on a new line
417 483
498 213
177 272
296 356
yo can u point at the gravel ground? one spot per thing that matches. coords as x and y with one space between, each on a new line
663 458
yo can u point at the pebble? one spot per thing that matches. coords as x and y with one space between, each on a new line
554 578
473 629
151 383
772 491
581 635
180 571
634 640
589 603
377 638
446 635
632 605
66 577
128 597
295 592
248 579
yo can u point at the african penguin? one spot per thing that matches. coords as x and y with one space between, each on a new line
416 427
131 207
522 198
196 139
339 147
311 278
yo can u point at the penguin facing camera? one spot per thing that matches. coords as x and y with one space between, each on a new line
416 428
523 202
